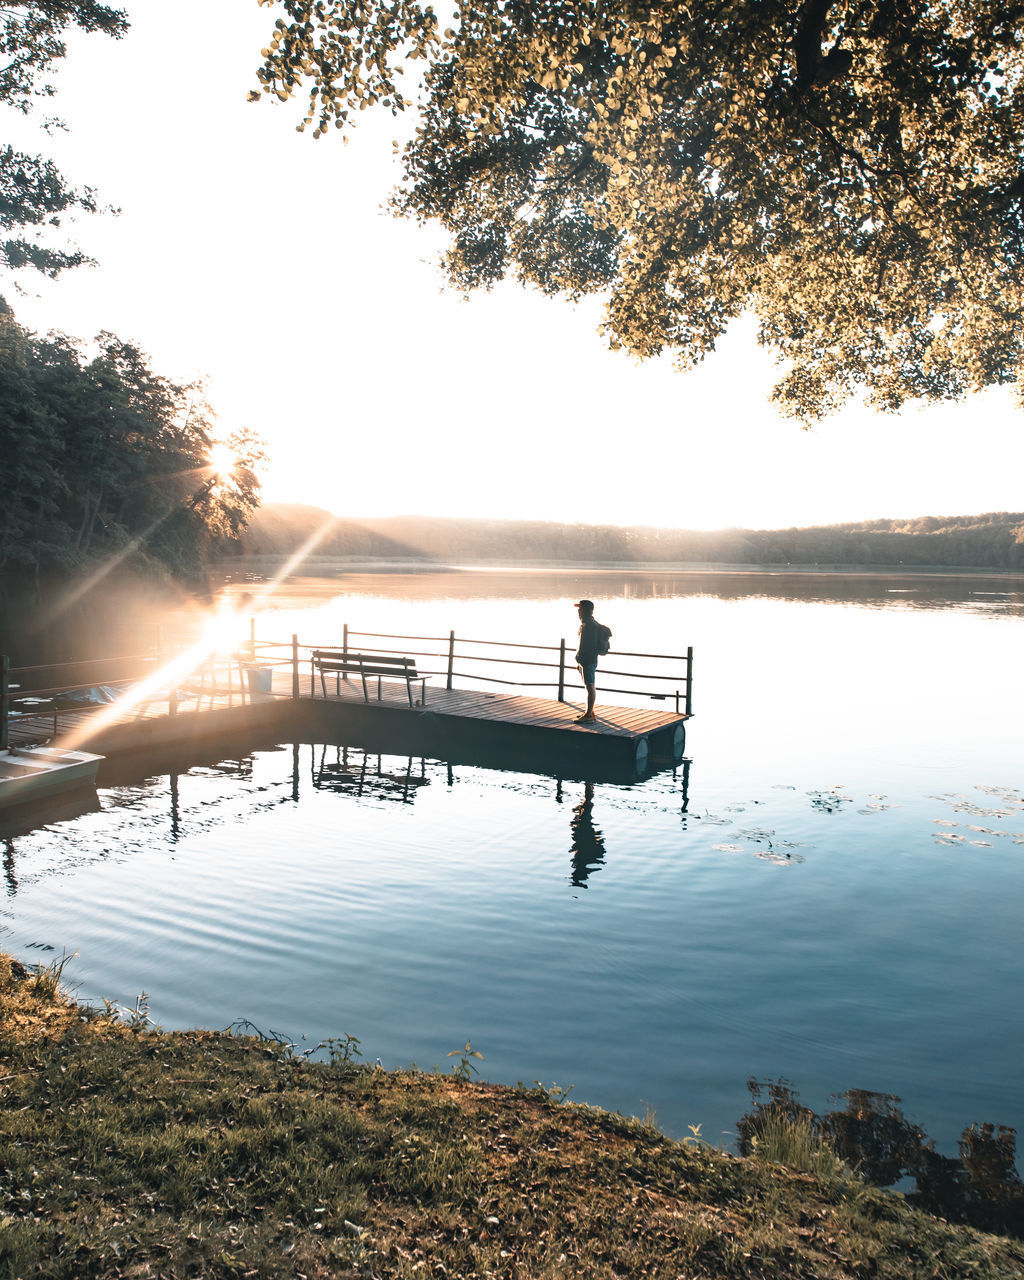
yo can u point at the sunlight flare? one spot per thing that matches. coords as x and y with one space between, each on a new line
221 634
223 460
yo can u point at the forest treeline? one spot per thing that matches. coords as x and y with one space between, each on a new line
105 461
992 541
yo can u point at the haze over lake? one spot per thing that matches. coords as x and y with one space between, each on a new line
830 891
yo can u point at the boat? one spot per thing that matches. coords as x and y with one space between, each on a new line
29 774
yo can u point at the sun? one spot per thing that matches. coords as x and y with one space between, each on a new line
223 459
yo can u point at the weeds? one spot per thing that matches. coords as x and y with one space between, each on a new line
339 1052
464 1068
46 981
556 1093
780 1138
135 1016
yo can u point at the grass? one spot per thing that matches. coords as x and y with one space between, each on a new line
127 1152
779 1138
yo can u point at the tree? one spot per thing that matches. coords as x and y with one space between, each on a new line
32 484
33 193
107 461
849 171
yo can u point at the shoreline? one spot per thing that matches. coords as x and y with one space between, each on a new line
370 564
130 1151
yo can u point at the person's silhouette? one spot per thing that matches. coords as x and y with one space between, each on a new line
587 841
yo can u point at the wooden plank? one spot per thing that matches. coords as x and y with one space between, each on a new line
508 708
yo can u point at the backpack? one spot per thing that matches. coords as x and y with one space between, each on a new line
604 635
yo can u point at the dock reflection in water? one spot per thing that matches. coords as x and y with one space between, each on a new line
357 770
418 902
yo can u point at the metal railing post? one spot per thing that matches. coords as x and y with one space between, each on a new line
5 667
689 680
252 639
451 657
344 648
561 671
295 667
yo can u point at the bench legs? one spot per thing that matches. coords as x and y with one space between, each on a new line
409 681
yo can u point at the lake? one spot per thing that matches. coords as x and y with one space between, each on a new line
830 889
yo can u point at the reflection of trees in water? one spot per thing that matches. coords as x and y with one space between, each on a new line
980 1186
882 589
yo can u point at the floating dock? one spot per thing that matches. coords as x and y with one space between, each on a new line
627 736
265 698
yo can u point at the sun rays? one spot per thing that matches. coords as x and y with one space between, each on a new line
222 632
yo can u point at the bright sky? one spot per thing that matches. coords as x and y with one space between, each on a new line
259 258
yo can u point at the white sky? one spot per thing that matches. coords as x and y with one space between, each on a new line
248 253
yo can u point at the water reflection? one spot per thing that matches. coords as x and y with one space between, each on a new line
587 841
28 818
872 1136
359 772
996 595
181 791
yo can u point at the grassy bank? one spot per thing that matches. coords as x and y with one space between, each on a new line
126 1152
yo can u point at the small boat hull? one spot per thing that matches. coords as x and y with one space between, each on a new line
28 774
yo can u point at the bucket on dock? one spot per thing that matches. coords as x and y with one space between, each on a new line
259 679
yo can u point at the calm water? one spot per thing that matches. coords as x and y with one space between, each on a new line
831 892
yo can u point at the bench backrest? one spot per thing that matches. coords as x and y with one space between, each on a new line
369 664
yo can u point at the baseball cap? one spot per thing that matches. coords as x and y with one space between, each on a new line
584 604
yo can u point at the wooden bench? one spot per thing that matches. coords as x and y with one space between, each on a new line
339 662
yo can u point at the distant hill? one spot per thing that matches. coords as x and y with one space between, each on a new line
992 541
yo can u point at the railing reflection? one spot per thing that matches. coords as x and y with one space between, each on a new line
360 771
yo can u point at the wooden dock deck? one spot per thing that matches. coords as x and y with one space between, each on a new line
629 732
540 729
267 692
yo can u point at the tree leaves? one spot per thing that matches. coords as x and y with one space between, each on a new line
33 193
849 172
103 457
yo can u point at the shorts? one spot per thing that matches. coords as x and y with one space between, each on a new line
589 670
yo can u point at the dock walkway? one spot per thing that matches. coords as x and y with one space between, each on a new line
288 700
630 731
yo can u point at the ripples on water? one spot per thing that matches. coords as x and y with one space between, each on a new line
830 893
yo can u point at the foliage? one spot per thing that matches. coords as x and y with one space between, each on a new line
106 459
779 1138
197 1154
32 42
33 193
847 170
464 1068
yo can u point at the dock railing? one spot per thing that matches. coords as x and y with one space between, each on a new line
248 669
32 692
537 666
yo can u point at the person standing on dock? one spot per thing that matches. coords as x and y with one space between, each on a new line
592 638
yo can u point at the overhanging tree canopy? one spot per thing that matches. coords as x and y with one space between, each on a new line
849 171
33 193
